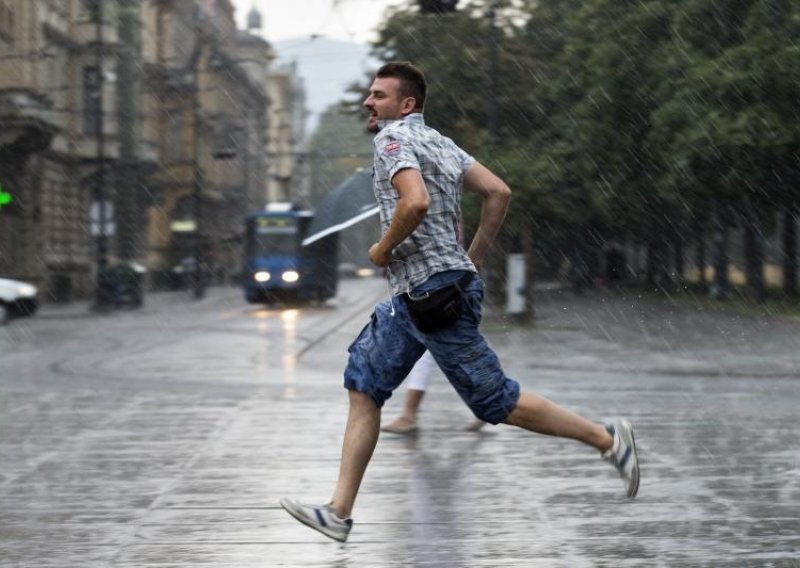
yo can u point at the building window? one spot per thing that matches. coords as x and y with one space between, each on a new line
91 101
174 138
88 10
55 77
6 24
61 7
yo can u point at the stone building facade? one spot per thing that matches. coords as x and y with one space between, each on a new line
207 84
289 179
43 157
169 96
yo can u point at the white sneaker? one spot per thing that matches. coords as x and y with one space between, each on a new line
320 518
622 455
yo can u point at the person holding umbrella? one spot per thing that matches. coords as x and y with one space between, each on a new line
419 176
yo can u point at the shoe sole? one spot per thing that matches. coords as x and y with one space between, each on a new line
288 506
633 486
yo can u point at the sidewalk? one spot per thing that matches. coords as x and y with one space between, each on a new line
629 332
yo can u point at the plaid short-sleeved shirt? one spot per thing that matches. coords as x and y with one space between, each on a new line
433 246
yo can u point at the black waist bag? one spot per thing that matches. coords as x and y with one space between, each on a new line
439 309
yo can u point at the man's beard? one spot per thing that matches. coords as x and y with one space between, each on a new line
372 127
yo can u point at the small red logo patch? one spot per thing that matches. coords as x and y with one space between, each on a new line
392 148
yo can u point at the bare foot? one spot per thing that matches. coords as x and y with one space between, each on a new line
402 425
475 425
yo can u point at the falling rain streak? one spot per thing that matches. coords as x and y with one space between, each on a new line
648 266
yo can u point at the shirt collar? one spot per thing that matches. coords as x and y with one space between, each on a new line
415 118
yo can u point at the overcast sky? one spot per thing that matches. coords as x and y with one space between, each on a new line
346 20
337 57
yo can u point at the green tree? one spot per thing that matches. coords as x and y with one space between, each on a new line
641 119
730 129
338 148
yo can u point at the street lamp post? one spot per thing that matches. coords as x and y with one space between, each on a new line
101 293
198 279
491 103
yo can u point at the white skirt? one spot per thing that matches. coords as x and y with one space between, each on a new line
420 376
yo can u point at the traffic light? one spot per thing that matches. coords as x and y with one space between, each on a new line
437 6
5 198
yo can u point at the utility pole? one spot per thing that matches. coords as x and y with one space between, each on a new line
518 274
491 103
496 268
128 92
101 293
198 280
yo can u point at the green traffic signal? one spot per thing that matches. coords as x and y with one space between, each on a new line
5 198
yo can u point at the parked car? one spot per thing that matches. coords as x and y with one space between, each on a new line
17 299
121 285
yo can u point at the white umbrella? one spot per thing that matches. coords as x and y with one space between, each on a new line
348 203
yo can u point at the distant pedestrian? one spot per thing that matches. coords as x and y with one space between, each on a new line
418 179
417 383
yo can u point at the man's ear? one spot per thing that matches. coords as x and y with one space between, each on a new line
408 105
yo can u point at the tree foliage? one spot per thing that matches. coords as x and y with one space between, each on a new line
339 147
618 118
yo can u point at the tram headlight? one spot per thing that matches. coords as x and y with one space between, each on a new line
290 276
262 276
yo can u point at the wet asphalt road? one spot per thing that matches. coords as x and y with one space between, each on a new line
165 437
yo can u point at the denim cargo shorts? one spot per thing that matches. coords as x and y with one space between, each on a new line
386 349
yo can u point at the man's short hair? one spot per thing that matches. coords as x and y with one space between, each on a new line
412 81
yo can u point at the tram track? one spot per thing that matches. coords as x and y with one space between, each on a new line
137 352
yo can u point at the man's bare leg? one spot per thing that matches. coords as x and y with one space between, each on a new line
360 438
537 414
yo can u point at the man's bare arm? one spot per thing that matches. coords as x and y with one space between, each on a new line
409 212
496 196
